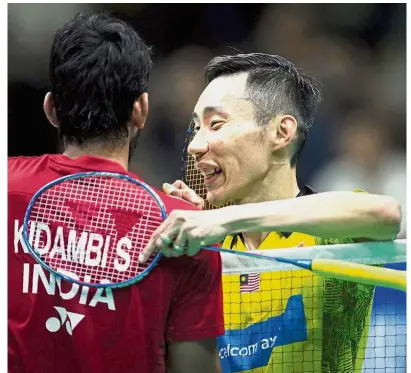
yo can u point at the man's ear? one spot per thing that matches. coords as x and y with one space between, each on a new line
140 111
50 110
282 129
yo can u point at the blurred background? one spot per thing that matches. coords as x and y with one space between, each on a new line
357 51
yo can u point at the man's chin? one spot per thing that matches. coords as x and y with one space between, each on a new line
216 200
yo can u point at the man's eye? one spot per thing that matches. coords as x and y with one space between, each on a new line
214 123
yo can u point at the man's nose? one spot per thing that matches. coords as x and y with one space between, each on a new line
198 145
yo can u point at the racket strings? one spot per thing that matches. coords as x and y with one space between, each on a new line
108 213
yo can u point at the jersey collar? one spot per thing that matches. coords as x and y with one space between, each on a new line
304 191
90 163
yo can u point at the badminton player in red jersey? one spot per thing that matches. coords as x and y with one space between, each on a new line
99 68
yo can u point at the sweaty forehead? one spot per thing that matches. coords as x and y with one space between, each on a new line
226 92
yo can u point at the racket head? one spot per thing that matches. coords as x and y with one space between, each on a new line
190 175
100 202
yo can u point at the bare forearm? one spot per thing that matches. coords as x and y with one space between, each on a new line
193 356
332 214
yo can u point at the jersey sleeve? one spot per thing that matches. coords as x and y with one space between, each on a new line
197 309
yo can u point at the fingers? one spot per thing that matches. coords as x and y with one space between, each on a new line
158 240
189 245
175 188
182 233
193 248
163 238
179 184
181 190
168 247
170 189
172 239
151 247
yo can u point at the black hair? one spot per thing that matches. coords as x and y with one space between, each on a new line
275 86
99 66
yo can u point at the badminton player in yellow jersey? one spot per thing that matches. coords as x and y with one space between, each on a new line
251 122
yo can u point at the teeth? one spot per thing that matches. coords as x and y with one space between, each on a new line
209 171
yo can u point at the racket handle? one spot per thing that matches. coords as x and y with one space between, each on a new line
364 274
348 271
235 252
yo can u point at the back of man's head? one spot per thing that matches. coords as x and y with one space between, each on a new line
275 86
99 66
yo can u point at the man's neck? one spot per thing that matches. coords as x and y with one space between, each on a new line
119 155
280 183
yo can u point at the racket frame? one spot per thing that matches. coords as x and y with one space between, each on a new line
83 175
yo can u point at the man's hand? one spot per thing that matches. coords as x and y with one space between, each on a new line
181 190
184 232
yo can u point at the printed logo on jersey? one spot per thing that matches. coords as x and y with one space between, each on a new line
69 319
251 347
36 279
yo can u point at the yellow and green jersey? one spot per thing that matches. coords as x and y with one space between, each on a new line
292 321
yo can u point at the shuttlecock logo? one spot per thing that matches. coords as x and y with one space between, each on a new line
69 319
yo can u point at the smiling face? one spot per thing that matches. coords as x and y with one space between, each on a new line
231 150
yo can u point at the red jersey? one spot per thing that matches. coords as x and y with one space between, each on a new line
56 326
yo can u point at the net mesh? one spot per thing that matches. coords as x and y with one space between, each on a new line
190 175
282 319
93 229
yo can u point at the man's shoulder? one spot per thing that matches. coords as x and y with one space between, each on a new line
174 203
25 163
170 202
25 174
21 162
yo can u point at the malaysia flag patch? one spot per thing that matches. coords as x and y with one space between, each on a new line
250 282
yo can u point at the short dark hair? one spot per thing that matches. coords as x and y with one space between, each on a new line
275 86
99 66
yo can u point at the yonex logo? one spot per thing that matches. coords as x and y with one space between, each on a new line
69 319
